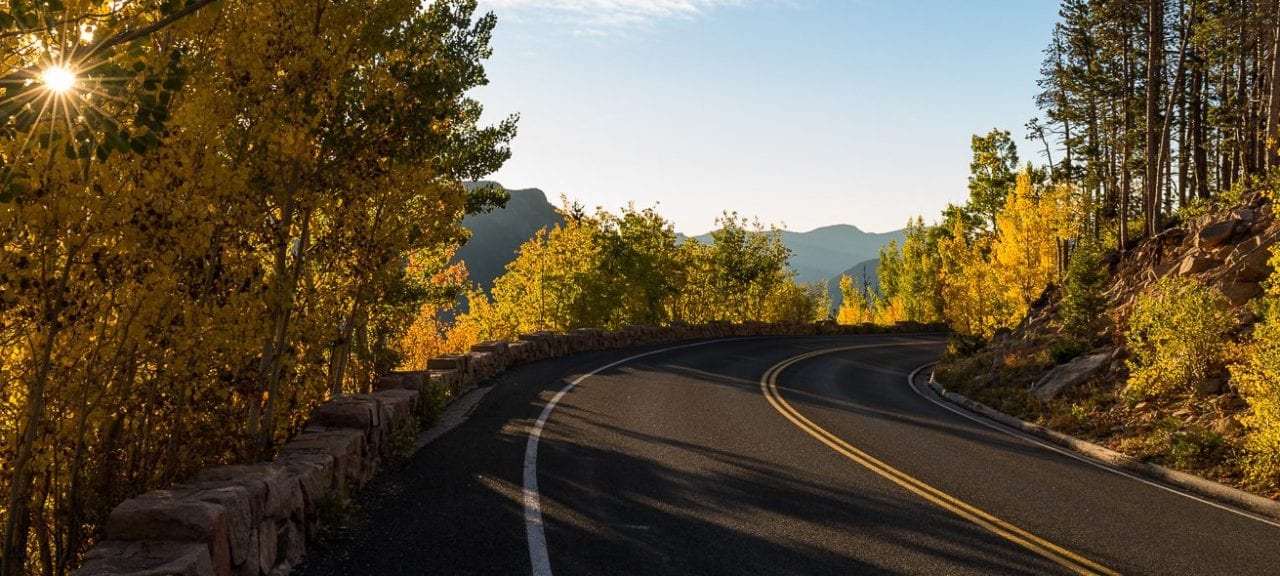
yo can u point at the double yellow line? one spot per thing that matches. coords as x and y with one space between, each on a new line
1066 558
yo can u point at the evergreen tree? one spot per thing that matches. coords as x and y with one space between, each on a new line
993 172
1083 301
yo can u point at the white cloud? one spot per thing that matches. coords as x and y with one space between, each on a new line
605 17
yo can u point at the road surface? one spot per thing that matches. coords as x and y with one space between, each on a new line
765 456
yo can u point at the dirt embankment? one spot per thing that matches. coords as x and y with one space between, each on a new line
1039 374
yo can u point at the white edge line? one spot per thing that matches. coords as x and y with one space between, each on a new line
911 383
536 537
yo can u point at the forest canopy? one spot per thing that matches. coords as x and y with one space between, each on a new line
213 215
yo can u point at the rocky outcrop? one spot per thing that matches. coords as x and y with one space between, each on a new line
254 520
1216 234
1229 250
1070 374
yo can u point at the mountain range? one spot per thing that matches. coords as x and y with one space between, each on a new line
496 235
827 252
822 254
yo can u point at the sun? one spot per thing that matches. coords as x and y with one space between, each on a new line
58 79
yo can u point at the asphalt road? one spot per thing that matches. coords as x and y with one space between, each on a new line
713 460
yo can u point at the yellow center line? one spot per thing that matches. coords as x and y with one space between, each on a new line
1066 558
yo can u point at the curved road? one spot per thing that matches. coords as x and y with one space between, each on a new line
766 456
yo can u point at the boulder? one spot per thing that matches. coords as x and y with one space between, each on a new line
497 351
591 338
1245 215
482 365
398 409
1217 234
1228 426
314 471
1194 264
235 500
451 380
1070 374
1240 293
292 545
1251 261
518 352
1211 385
268 545
147 558
495 346
398 406
541 345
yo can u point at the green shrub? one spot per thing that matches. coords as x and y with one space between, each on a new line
433 400
1189 445
1222 200
1176 336
963 346
1063 351
334 508
1083 303
1257 377
1192 446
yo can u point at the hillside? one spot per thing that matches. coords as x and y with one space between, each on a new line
865 271
1037 372
819 255
496 235
824 253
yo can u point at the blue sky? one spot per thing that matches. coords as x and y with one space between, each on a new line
804 113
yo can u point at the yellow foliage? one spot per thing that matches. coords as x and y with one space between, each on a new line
854 308
549 286
230 220
1257 377
1258 380
1029 232
1176 335
612 270
990 280
975 302
425 338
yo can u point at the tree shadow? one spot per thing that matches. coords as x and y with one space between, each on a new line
659 505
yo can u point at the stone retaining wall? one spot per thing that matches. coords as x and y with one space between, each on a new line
255 520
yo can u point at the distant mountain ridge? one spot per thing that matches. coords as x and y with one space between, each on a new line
498 234
866 271
824 253
821 254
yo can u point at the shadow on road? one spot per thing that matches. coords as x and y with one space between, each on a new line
662 498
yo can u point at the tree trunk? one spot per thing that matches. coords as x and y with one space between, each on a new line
1226 156
1155 79
1273 107
18 521
1126 144
1242 160
1199 154
340 352
281 336
1253 123
1184 151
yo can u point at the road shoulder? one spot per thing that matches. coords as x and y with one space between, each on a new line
1195 487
